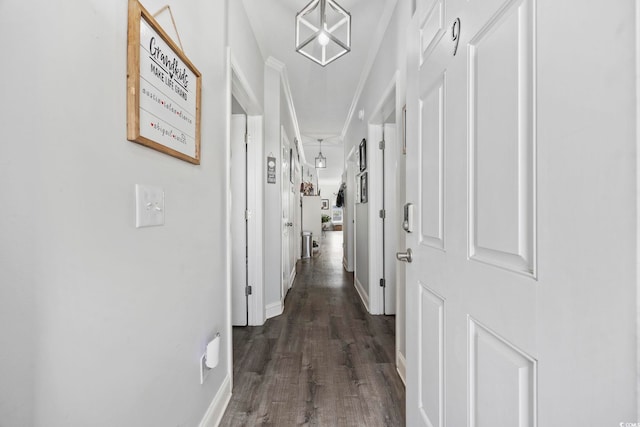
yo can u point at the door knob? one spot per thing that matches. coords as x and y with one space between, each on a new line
405 256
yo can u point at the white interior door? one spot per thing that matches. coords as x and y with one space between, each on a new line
472 284
487 329
238 220
288 264
400 200
294 219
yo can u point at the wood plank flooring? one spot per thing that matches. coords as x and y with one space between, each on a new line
324 362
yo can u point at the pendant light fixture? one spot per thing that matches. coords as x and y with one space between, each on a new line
321 161
323 31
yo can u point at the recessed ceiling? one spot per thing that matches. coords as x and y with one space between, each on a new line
322 96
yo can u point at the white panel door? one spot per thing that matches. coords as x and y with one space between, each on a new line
471 287
486 329
238 220
288 212
294 239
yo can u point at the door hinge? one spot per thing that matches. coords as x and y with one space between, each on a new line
383 283
246 138
383 213
247 215
382 145
248 290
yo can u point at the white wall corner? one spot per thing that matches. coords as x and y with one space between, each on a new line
376 42
219 404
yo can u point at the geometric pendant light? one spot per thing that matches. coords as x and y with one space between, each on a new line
323 31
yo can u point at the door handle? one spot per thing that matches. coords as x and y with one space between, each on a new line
405 256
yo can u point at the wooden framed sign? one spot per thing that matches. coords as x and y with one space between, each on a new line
163 90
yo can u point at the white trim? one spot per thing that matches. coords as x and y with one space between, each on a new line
376 42
385 106
637 53
401 367
274 309
386 101
255 205
219 404
228 335
361 292
292 276
286 88
239 88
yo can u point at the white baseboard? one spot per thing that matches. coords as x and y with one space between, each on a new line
214 413
274 309
363 295
292 277
345 264
401 366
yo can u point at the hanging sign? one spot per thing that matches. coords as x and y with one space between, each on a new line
163 90
271 170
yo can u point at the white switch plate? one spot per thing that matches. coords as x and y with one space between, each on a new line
149 206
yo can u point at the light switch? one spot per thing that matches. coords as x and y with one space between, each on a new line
149 206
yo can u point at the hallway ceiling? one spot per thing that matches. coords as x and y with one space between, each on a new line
322 96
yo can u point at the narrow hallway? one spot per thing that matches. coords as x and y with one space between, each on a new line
325 361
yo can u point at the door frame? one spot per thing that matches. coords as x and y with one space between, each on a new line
286 246
238 221
637 64
392 99
240 88
389 102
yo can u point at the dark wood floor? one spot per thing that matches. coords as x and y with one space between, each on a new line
324 362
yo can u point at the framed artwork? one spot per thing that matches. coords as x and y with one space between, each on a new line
163 90
363 188
325 204
362 154
336 215
291 167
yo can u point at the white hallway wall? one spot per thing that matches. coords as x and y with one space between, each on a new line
101 323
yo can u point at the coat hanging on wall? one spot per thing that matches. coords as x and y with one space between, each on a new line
340 196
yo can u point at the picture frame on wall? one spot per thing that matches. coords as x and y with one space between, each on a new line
325 204
291 167
363 188
362 154
163 103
